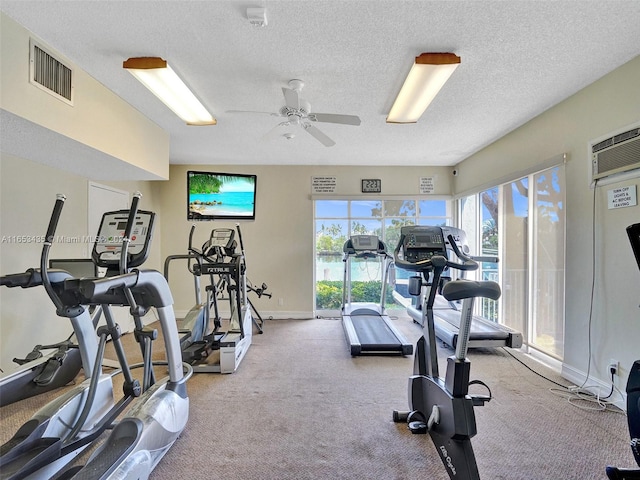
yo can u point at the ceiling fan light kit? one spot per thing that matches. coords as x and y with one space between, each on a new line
297 111
156 74
427 76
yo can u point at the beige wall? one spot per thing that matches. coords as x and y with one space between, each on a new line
115 132
607 105
279 243
27 194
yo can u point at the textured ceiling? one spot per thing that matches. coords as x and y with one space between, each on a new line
518 59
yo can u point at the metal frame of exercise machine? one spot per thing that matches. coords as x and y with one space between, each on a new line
56 434
226 269
367 327
633 390
45 367
443 407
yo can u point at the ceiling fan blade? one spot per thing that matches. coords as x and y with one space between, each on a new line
321 137
335 118
275 131
291 98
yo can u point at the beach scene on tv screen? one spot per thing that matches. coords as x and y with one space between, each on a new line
221 196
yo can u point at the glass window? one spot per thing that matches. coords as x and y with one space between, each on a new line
433 208
366 208
399 208
337 220
523 223
547 291
332 208
366 227
514 257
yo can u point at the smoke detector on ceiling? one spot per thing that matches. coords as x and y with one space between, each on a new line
257 16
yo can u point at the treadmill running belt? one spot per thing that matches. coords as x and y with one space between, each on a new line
479 329
374 333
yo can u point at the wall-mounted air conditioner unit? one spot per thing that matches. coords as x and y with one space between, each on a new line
615 154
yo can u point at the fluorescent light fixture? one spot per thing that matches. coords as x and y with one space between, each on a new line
155 74
428 75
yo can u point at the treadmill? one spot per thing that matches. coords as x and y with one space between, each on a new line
446 315
367 327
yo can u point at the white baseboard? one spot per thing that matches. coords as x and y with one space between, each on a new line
286 315
579 378
279 315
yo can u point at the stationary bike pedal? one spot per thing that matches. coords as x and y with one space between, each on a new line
417 422
418 428
480 400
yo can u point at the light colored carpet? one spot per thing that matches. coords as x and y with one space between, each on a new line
300 407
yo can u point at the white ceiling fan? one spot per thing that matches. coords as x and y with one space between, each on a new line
297 111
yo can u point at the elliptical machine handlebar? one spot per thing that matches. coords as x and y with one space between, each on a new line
133 211
61 309
240 238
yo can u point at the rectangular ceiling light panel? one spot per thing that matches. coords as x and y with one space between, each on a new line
156 74
427 76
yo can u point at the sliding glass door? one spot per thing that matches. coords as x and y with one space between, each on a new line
523 222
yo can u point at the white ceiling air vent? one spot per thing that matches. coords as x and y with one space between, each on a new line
49 73
616 153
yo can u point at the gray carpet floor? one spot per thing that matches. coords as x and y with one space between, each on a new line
300 407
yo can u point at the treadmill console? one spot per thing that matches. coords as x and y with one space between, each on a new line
108 245
422 243
363 243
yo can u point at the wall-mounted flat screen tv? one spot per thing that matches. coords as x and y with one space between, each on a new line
221 196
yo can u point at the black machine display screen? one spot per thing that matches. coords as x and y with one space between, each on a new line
429 240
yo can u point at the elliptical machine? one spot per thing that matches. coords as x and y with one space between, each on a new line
443 408
201 333
63 429
633 390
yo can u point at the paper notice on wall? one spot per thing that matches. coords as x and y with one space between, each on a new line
622 197
427 185
323 184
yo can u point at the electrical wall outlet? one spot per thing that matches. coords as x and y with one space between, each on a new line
280 302
613 367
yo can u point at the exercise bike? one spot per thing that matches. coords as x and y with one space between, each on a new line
633 390
442 407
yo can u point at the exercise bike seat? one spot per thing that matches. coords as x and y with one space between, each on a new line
463 288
